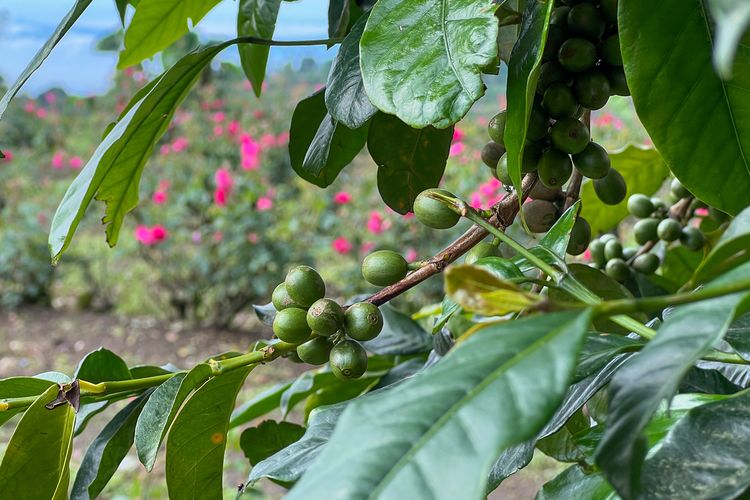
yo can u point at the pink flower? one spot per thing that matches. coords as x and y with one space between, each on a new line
701 212
248 146
218 236
75 162
179 144
458 134
58 160
411 255
223 179
282 138
376 224
342 198
456 149
219 117
250 162
220 197
143 235
129 71
476 200
264 203
341 245
218 130
196 237
233 127
41 113
165 149
587 255
29 106
258 113
367 246
159 233
8 156
50 98
268 140
159 197
252 237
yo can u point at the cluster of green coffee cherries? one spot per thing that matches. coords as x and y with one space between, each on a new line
323 331
654 224
582 68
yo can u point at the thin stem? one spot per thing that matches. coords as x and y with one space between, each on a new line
287 43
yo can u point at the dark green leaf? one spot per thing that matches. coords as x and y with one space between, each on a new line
514 376
256 18
86 412
263 403
102 365
269 437
561 446
143 371
679 264
644 171
65 24
198 437
422 59
345 94
319 146
108 449
654 374
575 482
448 309
157 24
731 249
523 72
400 335
685 107
409 160
35 463
338 18
732 19
709 381
738 336
600 349
20 387
707 453
161 409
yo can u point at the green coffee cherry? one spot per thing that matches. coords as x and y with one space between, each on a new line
348 360
570 135
618 85
678 189
593 161
325 317
496 128
281 299
659 205
532 152
611 189
607 237
542 192
629 252
559 101
559 15
613 250
592 89
645 230
617 269
363 321
556 35
481 250
580 236
646 263
290 325
639 205
433 213
584 20
597 252
501 172
551 73
692 238
304 285
384 267
315 351
609 10
491 154
293 357
577 55
540 215
611 50
669 230
554 168
538 124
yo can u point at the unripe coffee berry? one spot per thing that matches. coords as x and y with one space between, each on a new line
384 267
290 325
304 285
348 360
325 317
433 213
363 321
315 351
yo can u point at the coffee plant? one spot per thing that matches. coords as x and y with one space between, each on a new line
625 356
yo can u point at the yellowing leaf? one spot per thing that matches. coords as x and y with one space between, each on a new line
479 290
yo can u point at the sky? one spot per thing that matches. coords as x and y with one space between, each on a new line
78 68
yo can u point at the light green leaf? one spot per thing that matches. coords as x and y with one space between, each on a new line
575 482
699 124
513 377
20 387
263 403
732 18
198 438
36 460
644 172
479 290
256 18
267 438
422 59
102 365
157 24
732 249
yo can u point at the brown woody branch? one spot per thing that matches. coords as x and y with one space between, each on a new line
504 212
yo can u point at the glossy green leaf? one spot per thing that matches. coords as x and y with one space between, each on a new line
738 336
102 365
157 24
514 375
20 387
709 381
35 463
644 172
86 412
422 59
160 410
256 18
107 451
599 349
338 17
259 405
345 94
143 371
706 453
732 249
478 290
679 265
698 123
409 160
400 336
553 245
269 437
319 146
198 437
309 384
523 72
732 19
113 172
654 374
561 446
65 24
575 482
447 309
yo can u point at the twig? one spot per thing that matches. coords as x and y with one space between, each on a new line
504 213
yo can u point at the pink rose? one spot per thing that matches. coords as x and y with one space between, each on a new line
159 197
342 198
58 160
264 203
341 245
75 162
